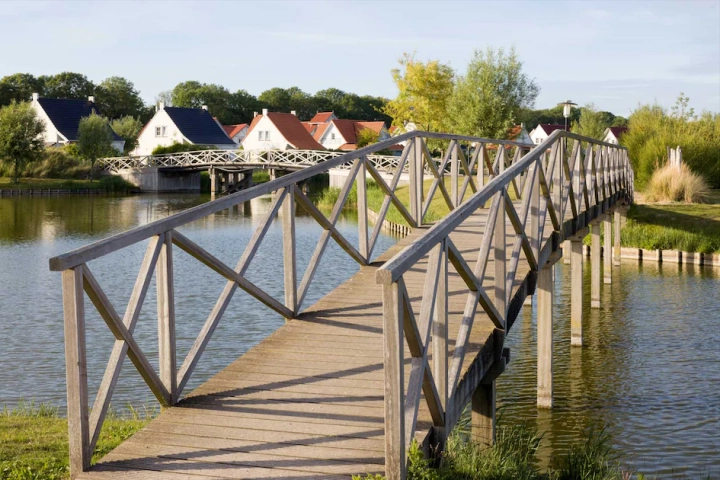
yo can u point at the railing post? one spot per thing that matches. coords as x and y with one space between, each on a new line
545 287
440 329
166 317
419 173
395 462
76 370
412 173
454 172
499 253
362 209
289 253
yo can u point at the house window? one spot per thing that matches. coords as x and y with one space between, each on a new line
267 134
260 135
159 131
332 136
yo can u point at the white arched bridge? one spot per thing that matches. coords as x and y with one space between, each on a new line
396 353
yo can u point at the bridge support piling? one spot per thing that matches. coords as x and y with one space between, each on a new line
545 288
595 265
483 414
214 181
616 247
566 248
576 292
607 248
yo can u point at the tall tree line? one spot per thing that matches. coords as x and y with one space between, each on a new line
117 97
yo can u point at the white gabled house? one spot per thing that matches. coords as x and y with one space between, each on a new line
62 116
519 134
279 131
182 125
540 133
613 134
237 133
340 134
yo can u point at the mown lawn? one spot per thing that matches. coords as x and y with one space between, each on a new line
34 444
52 183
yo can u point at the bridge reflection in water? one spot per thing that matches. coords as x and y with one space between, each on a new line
394 353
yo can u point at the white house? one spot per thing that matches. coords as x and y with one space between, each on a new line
236 132
182 125
278 131
62 117
613 134
322 117
543 131
340 134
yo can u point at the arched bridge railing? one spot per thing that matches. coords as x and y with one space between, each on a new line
569 179
465 162
291 159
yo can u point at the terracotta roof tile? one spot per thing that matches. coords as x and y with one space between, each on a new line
321 117
320 131
309 127
292 129
232 130
618 131
346 129
374 126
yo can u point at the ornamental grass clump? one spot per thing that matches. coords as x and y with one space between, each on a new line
670 184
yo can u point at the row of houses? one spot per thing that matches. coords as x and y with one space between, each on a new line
267 131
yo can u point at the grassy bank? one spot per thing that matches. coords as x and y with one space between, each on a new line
514 457
105 184
375 197
34 445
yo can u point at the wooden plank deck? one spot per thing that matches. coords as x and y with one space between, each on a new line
307 402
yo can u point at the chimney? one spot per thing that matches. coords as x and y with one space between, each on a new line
264 111
293 112
254 114
91 99
204 107
35 96
161 106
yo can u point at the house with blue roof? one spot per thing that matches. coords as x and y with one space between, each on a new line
62 118
182 125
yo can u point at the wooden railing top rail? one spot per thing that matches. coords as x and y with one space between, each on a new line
116 242
404 260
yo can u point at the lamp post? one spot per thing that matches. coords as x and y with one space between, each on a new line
567 109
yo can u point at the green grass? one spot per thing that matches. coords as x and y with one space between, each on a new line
34 445
675 226
260 176
437 210
514 457
107 184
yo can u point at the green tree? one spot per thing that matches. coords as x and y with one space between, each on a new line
128 128
164 97
94 139
592 123
19 87
193 94
68 85
423 93
366 137
243 105
20 136
117 98
275 99
488 99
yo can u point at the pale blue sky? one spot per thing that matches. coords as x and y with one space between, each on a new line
612 53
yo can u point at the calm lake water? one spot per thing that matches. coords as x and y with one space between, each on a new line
650 369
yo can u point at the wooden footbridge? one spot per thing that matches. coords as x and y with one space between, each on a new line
395 353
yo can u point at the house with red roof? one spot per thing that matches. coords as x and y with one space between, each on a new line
236 132
613 134
543 131
341 134
279 131
322 117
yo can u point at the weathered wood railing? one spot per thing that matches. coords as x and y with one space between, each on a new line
168 383
564 172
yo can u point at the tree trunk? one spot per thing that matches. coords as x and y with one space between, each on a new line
16 171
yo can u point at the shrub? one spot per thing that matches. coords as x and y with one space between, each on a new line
115 184
180 147
668 184
58 163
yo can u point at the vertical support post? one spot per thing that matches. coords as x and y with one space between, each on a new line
166 317
214 181
483 413
419 171
607 248
440 329
545 289
566 252
616 246
362 211
558 185
595 265
76 370
395 462
500 255
454 172
576 292
289 254
535 218
412 172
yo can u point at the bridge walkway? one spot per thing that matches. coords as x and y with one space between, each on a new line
307 402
